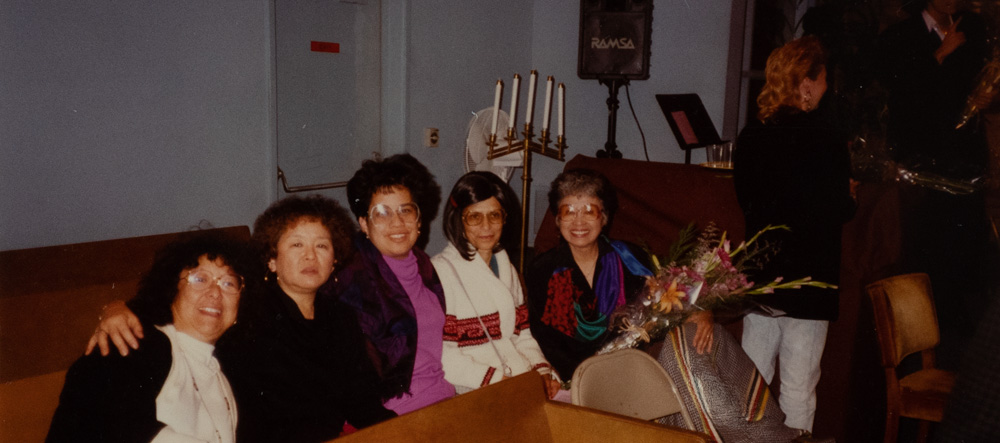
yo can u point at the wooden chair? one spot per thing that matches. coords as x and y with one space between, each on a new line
906 323
627 382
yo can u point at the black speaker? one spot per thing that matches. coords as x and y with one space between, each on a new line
615 39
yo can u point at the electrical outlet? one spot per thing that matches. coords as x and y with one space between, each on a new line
430 137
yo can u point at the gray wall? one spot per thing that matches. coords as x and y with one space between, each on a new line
144 117
125 118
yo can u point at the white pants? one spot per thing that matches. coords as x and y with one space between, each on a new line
800 345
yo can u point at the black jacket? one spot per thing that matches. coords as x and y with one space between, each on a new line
298 380
113 398
795 171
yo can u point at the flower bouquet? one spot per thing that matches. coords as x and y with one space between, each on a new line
701 273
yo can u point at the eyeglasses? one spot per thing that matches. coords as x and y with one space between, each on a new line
382 214
476 218
587 212
203 280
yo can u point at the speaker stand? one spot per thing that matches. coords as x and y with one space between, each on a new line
610 147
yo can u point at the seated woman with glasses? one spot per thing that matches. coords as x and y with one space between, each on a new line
171 389
391 284
574 287
486 334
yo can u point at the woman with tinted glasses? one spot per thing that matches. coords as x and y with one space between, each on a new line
486 334
574 287
391 284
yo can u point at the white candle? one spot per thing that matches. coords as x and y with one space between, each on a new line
562 109
547 114
531 97
513 100
496 106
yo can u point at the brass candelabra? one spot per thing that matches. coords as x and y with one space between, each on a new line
528 146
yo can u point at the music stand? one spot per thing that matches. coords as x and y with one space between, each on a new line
690 122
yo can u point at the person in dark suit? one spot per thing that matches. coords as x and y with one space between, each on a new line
929 66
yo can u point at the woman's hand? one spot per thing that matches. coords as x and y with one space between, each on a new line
118 324
552 386
703 335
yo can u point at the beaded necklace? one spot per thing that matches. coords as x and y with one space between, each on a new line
225 396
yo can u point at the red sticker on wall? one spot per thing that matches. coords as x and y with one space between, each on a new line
324 47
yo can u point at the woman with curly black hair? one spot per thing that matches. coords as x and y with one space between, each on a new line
391 284
172 388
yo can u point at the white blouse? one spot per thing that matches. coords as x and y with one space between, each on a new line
196 402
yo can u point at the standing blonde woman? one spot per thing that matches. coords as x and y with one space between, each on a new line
792 168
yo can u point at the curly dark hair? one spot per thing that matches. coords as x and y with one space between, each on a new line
284 214
158 287
475 187
584 182
397 171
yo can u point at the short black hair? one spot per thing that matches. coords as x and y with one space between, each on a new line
158 287
475 187
397 171
287 212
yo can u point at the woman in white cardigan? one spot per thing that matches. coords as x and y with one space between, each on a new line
482 289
